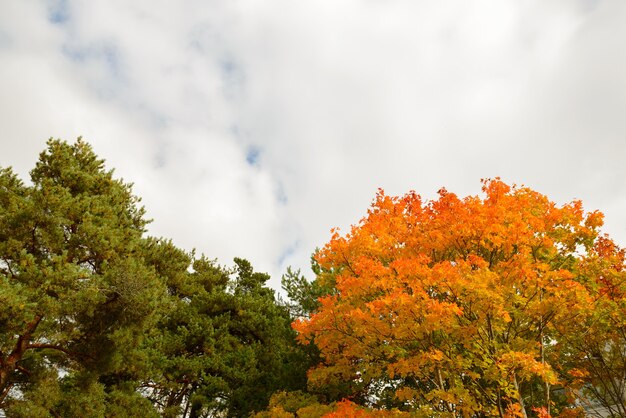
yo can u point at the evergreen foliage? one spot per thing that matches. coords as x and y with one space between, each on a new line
96 319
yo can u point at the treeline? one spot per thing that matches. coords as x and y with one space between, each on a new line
505 306
96 319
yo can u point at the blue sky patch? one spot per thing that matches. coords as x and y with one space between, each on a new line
227 66
58 11
281 195
252 156
288 252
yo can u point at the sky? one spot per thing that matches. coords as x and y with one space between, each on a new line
250 128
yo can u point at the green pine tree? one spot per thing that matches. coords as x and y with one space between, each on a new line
75 293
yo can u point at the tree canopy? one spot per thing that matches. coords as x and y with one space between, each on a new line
76 293
504 304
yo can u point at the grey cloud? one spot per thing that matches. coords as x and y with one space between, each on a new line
249 126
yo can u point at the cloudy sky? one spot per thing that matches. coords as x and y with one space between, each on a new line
252 127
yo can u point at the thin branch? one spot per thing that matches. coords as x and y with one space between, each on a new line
23 370
50 347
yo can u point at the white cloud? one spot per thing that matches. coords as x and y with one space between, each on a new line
332 99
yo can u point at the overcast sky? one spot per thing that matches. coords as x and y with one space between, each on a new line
252 127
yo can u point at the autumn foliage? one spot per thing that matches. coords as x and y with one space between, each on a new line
481 306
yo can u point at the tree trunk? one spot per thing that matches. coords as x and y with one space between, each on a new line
8 365
5 373
500 411
519 396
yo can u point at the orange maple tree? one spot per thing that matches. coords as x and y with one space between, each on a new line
459 307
